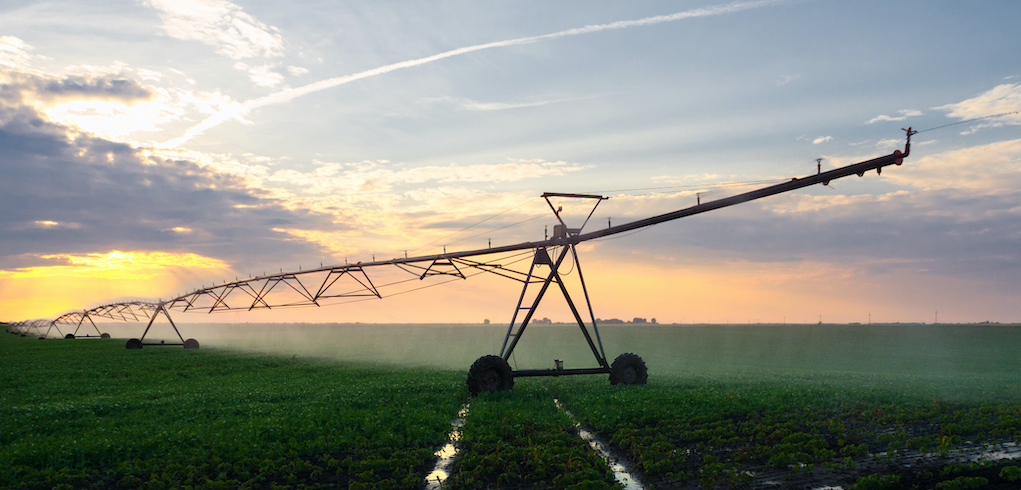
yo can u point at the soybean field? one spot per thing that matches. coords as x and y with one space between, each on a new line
369 406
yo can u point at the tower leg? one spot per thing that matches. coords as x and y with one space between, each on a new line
515 331
137 343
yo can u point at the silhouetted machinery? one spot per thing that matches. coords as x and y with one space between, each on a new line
314 287
493 372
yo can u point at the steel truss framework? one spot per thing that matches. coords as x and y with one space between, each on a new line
320 286
25 328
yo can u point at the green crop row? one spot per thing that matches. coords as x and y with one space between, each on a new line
91 414
520 439
717 433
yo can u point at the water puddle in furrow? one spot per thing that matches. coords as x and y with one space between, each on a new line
620 472
876 462
445 456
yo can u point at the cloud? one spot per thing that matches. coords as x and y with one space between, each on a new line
60 282
904 114
149 75
388 222
54 224
107 105
262 75
236 34
292 93
59 97
691 180
115 264
472 105
803 203
14 53
402 206
1001 105
821 139
331 178
784 80
65 192
888 143
987 170
105 87
950 215
999 99
296 70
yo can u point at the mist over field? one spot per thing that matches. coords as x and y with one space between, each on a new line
948 360
850 401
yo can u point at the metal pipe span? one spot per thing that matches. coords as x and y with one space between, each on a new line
894 158
859 169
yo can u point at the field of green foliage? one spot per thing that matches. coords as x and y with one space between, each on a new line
92 414
812 431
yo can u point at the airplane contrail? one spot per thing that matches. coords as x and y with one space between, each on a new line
292 93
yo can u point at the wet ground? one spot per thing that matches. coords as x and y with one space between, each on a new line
915 469
907 465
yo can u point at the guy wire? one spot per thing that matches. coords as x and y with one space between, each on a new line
717 185
475 224
968 121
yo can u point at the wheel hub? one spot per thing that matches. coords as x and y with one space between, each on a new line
629 375
491 380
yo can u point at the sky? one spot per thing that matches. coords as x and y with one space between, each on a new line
151 147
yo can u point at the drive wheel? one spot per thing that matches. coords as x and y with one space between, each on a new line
191 344
628 369
134 344
69 336
489 373
104 336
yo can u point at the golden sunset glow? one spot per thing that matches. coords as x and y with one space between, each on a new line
83 280
117 264
242 146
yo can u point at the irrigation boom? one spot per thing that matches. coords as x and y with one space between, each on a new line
319 286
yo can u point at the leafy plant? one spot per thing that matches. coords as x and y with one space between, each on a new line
1011 473
876 482
520 439
92 413
963 483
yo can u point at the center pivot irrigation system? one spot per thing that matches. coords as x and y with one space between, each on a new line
349 282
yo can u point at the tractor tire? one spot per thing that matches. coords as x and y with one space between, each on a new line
489 373
628 369
69 336
191 344
134 344
104 336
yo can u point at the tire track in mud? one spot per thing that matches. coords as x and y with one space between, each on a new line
616 464
445 456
